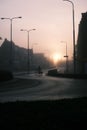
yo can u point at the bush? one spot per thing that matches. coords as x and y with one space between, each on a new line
5 75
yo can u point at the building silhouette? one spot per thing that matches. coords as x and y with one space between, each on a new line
20 58
82 45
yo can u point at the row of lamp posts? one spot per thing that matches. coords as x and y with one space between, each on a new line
74 62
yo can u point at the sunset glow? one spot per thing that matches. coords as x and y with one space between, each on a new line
52 20
56 57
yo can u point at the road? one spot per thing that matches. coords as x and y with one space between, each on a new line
35 87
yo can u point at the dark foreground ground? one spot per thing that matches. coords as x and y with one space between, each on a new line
44 115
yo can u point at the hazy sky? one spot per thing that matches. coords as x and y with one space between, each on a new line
52 20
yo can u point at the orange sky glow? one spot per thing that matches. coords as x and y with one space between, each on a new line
52 20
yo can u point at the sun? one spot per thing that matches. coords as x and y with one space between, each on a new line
56 57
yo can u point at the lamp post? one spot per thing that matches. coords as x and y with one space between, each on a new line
28 60
11 19
66 56
74 59
0 38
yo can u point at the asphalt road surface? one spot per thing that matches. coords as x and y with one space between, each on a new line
36 87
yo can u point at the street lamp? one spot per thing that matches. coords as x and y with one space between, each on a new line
11 19
28 62
74 59
66 56
0 38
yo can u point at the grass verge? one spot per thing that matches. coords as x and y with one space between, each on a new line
44 115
